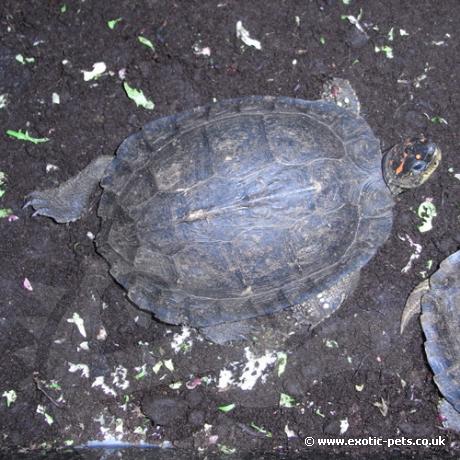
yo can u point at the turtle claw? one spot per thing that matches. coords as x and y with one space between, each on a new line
56 203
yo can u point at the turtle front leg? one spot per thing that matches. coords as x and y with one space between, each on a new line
68 202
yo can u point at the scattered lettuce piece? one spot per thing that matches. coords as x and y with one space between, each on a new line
145 41
286 400
25 136
427 212
438 120
113 23
10 397
5 212
281 361
138 97
225 449
24 60
227 408
387 50
261 430
98 69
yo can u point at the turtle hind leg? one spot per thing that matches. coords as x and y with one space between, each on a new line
69 201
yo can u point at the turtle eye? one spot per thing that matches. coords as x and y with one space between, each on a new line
418 167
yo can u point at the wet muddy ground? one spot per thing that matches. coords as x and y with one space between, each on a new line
121 375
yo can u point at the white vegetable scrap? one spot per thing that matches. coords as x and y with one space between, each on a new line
26 284
48 418
200 50
10 397
3 100
99 382
254 369
355 20
78 321
98 69
344 426
225 379
79 367
243 35
102 334
84 346
50 167
289 433
119 377
181 342
382 406
414 256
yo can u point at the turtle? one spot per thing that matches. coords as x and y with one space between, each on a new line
252 208
438 300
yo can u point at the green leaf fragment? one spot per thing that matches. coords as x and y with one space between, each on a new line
438 120
227 408
2 192
25 136
145 41
387 50
225 449
287 400
142 373
281 362
319 413
426 212
429 264
63 8
5 212
113 23
261 430
322 40
54 385
346 2
138 97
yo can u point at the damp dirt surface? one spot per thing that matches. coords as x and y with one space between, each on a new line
120 374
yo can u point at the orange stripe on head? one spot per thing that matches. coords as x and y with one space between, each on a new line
400 168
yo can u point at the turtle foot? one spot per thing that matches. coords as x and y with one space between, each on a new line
68 202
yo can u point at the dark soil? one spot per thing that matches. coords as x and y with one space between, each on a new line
341 370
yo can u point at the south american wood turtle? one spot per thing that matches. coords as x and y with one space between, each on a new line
219 216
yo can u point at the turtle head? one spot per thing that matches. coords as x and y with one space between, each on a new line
410 164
